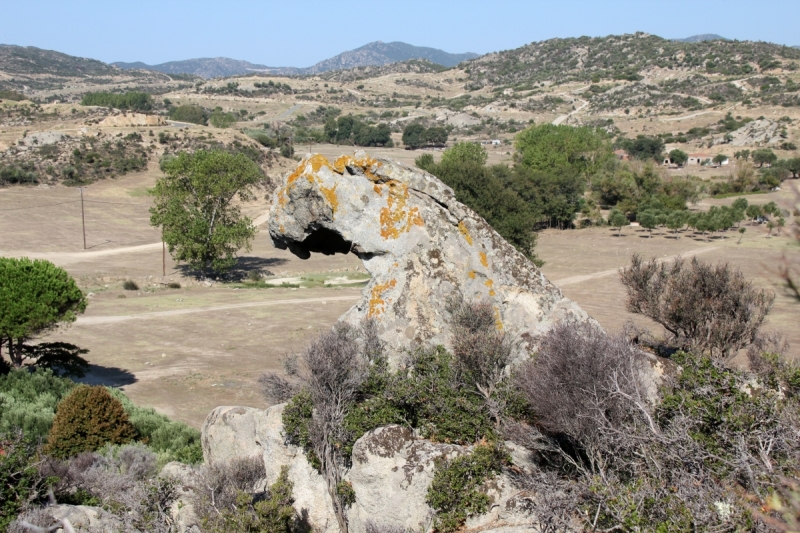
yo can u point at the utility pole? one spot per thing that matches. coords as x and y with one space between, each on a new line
163 254
83 219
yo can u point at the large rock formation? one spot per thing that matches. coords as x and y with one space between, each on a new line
391 471
420 245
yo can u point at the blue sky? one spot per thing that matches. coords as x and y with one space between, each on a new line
302 32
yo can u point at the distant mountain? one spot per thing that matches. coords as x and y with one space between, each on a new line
702 37
372 54
207 67
380 53
32 60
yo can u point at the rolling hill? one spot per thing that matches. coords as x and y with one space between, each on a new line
373 54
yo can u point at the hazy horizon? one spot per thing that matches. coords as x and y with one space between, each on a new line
301 34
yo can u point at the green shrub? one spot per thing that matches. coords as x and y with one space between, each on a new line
20 483
456 491
171 440
28 401
132 100
130 285
86 420
220 119
188 113
12 95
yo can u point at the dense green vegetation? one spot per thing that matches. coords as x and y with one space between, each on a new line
16 175
189 113
96 159
133 101
12 95
418 136
352 130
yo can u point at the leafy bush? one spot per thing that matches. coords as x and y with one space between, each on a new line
28 401
456 490
227 499
12 95
171 440
86 420
130 285
220 119
189 113
418 136
12 175
134 101
20 482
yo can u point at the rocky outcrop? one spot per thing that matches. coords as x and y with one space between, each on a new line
420 246
240 432
759 132
391 471
133 119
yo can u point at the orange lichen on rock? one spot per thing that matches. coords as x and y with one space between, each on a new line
396 218
367 164
484 260
465 232
376 303
317 161
498 322
330 194
471 274
489 283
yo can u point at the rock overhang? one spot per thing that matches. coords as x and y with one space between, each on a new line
420 245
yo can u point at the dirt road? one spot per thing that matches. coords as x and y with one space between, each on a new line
96 320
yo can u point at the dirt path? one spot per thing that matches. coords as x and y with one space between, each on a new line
605 273
562 118
96 320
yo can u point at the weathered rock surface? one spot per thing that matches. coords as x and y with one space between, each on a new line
390 474
239 432
183 513
419 244
756 133
81 518
133 119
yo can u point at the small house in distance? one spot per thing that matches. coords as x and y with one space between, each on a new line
622 155
698 159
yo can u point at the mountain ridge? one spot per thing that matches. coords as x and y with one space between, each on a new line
376 53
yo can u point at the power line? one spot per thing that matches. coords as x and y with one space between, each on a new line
114 203
39 206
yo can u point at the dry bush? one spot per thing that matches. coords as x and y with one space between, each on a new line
578 374
219 484
705 308
331 371
482 352
378 527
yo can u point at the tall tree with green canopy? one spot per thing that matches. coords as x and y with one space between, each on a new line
547 147
193 206
35 296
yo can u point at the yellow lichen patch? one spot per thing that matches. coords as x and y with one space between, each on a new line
484 261
465 232
489 283
367 164
396 218
498 322
330 194
316 161
376 303
377 189
471 274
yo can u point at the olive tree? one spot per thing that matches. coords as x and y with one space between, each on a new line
194 207
36 296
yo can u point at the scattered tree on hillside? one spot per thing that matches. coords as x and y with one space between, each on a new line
36 297
418 136
618 219
648 221
764 157
678 157
193 206
719 159
189 113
